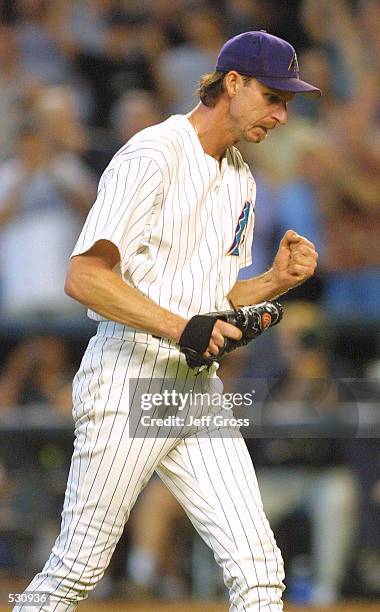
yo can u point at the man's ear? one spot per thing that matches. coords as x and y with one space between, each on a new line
232 82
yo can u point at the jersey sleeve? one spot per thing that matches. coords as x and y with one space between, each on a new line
127 194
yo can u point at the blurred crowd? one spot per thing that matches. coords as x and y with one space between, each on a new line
79 78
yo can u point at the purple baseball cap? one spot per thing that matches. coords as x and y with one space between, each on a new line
271 60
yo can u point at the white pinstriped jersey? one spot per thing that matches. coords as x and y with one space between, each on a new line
183 223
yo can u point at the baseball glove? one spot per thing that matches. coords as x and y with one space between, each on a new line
251 320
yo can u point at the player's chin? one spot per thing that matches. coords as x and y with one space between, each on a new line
255 135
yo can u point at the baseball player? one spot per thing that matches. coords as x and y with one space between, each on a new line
171 227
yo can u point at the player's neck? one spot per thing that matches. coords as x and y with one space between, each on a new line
212 133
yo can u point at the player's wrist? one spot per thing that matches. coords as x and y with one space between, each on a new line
173 327
275 285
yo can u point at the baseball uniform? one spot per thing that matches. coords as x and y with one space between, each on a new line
183 225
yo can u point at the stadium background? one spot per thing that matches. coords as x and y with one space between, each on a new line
77 79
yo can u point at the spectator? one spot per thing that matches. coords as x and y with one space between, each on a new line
242 16
349 37
84 24
10 520
278 156
368 27
42 56
298 203
170 15
365 461
13 91
43 196
37 371
179 68
316 66
123 64
364 455
134 111
278 18
350 208
34 387
59 111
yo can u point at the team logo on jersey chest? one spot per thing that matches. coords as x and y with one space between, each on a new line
240 230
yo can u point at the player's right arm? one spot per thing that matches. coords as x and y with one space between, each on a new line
92 282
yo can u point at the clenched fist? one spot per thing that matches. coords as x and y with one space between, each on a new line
295 261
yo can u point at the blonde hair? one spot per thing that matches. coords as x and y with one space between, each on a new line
211 87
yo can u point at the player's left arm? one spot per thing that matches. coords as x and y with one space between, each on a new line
295 262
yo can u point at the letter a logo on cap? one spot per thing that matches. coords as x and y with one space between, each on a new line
293 66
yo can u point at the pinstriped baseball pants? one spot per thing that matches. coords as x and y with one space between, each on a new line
212 477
